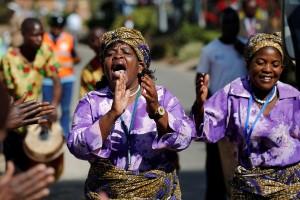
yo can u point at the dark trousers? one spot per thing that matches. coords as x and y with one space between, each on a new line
215 184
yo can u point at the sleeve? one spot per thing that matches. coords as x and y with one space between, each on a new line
216 117
183 127
52 65
5 74
85 136
204 63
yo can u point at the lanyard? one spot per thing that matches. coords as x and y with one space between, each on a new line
249 129
127 131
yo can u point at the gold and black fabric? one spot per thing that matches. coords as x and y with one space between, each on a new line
277 183
122 184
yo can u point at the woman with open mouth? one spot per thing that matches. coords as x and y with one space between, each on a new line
128 127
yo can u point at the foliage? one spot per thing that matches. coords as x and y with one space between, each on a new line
144 18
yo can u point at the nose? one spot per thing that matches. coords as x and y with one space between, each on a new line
118 54
267 68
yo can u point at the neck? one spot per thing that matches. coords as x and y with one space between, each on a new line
261 96
227 40
28 52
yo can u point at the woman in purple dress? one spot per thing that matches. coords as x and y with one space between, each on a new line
127 128
261 115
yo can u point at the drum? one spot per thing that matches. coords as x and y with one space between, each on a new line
45 145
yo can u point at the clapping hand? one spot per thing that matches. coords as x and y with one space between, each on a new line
121 94
25 113
150 94
202 88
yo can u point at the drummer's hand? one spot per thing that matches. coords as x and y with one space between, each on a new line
31 112
121 95
30 185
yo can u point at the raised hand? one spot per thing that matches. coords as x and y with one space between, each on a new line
121 95
31 112
30 185
150 94
202 88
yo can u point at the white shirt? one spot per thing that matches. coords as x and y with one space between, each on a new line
223 64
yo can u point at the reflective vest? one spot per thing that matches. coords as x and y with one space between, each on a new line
62 49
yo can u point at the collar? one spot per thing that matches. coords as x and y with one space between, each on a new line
241 87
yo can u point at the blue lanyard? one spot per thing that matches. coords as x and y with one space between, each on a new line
127 131
247 129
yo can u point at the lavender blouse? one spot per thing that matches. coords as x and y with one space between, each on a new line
275 140
148 151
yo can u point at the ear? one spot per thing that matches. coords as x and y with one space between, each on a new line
141 66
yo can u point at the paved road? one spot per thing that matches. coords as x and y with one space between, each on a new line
180 82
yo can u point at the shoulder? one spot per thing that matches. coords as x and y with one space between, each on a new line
238 87
287 91
212 45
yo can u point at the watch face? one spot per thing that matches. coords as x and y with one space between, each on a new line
161 110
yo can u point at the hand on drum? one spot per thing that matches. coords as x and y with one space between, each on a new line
30 185
30 112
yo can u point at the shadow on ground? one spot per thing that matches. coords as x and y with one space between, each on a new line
192 184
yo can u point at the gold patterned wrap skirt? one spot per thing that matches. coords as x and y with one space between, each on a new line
121 184
279 183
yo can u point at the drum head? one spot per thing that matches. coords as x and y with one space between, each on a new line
42 144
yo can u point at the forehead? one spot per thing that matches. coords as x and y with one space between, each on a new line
268 51
34 28
119 44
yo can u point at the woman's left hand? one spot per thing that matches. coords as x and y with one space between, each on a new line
150 94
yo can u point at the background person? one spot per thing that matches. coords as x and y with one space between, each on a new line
64 48
261 115
222 59
126 128
93 71
22 70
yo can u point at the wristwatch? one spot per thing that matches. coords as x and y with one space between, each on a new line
159 113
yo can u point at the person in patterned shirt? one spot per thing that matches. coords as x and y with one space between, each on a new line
93 71
22 70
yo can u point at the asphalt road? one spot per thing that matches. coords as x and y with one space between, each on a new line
179 81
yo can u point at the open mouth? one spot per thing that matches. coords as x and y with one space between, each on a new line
119 67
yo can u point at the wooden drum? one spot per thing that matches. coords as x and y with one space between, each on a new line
45 145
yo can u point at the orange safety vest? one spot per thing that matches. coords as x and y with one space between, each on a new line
62 49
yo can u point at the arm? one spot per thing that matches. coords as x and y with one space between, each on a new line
56 90
88 136
174 128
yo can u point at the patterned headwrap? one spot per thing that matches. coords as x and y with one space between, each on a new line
262 40
131 37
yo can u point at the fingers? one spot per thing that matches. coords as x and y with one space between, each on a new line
21 100
149 89
37 187
39 195
10 169
34 179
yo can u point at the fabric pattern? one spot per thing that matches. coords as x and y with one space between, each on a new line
274 184
122 184
22 76
90 75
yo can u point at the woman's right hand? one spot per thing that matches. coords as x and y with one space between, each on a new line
121 95
202 88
